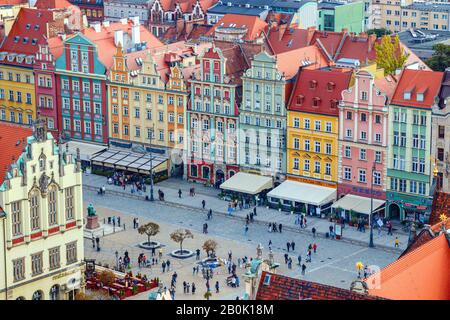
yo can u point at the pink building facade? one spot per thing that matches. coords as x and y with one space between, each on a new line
45 85
363 129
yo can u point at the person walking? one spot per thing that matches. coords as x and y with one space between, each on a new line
315 247
217 286
290 263
179 193
293 245
193 288
188 286
210 214
279 227
389 228
230 255
160 252
184 286
97 241
93 242
286 258
137 222
203 204
118 221
299 259
288 246
163 265
303 269
254 211
396 242
246 229
197 254
313 232
168 264
134 223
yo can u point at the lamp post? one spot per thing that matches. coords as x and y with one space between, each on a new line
371 245
151 164
117 260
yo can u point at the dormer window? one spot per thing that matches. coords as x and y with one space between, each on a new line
419 96
25 40
300 99
331 86
36 27
333 103
16 39
28 26
312 84
34 41
316 101
407 95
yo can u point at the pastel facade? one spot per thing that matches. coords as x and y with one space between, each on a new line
409 185
363 136
81 78
92 9
42 222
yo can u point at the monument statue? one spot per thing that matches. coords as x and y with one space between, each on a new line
91 211
92 218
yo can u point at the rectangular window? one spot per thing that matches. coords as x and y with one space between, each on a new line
16 218
348 152
316 167
71 252
306 123
347 173
36 264
402 185
362 175
54 258
70 208
19 269
422 187
362 154
441 132
306 165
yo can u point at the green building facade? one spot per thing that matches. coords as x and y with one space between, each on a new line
335 16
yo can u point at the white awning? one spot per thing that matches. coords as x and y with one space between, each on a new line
304 193
87 150
358 204
247 183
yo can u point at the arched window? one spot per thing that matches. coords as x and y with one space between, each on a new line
34 211
52 205
42 160
38 295
54 292
20 298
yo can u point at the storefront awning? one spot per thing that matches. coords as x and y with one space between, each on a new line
131 161
87 150
303 192
358 204
247 183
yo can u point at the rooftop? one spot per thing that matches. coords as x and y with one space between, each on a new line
430 6
224 9
253 25
422 41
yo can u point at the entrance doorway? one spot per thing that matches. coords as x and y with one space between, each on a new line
394 211
54 292
220 177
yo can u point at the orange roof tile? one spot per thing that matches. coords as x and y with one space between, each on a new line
419 275
309 57
255 25
12 2
418 81
52 4
12 142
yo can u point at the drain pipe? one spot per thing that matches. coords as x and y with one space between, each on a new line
4 257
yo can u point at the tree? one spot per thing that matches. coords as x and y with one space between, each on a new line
440 60
107 277
207 295
379 32
150 229
210 247
390 54
180 235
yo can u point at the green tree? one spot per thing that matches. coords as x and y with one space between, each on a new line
180 235
390 55
440 60
150 229
379 32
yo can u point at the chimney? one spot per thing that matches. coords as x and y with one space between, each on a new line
123 21
135 20
106 24
310 34
188 27
180 26
97 27
136 34
372 39
118 37
344 30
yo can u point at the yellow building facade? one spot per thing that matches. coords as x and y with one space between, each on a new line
17 93
312 148
41 222
150 98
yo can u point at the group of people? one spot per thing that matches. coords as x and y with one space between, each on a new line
301 220
274 227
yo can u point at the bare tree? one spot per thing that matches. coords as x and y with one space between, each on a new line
180 235
210 247
150 229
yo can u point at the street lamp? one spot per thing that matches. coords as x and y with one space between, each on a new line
117 260
371 245
151 164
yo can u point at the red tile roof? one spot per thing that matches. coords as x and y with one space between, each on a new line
282 38
12 142
310 57
52 4
12 2
419 275
281 287
30 24
105 39
418 81
255 26
321 86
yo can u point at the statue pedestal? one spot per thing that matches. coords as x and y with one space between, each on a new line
92 222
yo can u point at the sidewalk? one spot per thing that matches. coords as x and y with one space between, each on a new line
265 216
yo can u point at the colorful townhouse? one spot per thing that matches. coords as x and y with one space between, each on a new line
212 116
92 9
17 55
312 126
81 74
335 16
45 84
148 93
363 137
410 164
267 86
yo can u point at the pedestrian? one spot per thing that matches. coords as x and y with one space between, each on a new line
313 232
290 263
134 223
179 193
97 240
210 214
254 211
301 223
187 287
184 286
389 228
168 264
93 241
160 253
203 204
246 229
163 265
331 228
315 247
303 269
230 255
247 219
279 227
137 222
197 254
118 221
299 259
396 242
217 286
286 258
193 270
193 288
288 246
114 221
293 245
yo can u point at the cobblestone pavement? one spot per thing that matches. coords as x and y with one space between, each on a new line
210 195
333 264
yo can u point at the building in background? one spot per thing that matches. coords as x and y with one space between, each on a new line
409 190
267 86
123 9
41 215
312 126
440 148
92 9
336 16
9 10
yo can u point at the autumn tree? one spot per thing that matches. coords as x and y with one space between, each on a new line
107 277
180 235
390 54
150 229
440 60
210 247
